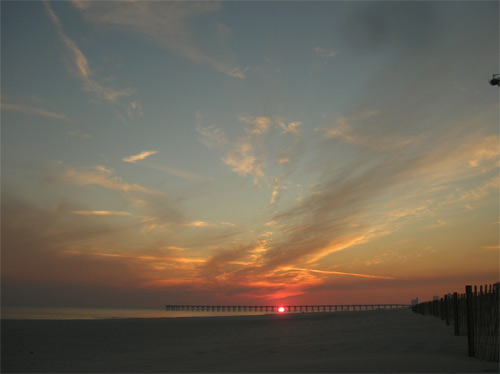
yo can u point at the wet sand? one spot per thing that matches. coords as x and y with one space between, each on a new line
385 341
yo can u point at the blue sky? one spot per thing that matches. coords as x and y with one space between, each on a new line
259 152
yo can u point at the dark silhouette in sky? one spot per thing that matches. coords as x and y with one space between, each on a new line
495 81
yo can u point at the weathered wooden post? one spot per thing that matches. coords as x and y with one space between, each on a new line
442 307
447 309
469 299
456 320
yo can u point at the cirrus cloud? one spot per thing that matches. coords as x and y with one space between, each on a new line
140 156
80 67
166 24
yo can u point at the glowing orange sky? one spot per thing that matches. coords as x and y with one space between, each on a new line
247 153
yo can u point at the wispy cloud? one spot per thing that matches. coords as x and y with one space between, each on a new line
450 162
478 195
291 127
274 194
261 125
179 173
33 111
78 134
100 213
328 53
198 224
159 213
491 247
440 223
258 125
484 150
248 154
205 224
81 69
166 24
244 161
116 255
351 130
100 176
140 156
211 136
321 57
140 257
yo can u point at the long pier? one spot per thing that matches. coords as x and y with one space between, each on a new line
277 308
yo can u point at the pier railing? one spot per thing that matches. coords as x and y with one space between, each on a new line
286 308
475 314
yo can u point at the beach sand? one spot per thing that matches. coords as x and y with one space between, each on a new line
385 341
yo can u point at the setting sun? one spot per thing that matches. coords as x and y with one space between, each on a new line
281 309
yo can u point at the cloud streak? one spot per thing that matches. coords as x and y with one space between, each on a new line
340 273
100 176
33 111
179 173
100 213
140 156
82 70
328 53
164 23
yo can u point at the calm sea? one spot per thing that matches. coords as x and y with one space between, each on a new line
104 313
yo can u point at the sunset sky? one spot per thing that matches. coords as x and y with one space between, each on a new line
259 153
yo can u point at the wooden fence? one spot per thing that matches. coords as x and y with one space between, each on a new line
474 314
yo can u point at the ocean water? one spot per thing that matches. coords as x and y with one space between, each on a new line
105 313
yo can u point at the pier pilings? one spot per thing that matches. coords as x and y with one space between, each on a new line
286 308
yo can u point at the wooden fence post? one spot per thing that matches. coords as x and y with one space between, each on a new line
442 308
470 319
447 309
456 316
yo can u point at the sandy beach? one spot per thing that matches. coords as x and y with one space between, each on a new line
386 341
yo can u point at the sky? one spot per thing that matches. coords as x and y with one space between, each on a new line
247 152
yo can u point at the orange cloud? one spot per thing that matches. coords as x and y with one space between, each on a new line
100 213
260 125
198 224
244 161
102 176
140 156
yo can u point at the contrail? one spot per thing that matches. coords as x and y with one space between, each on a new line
340 273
